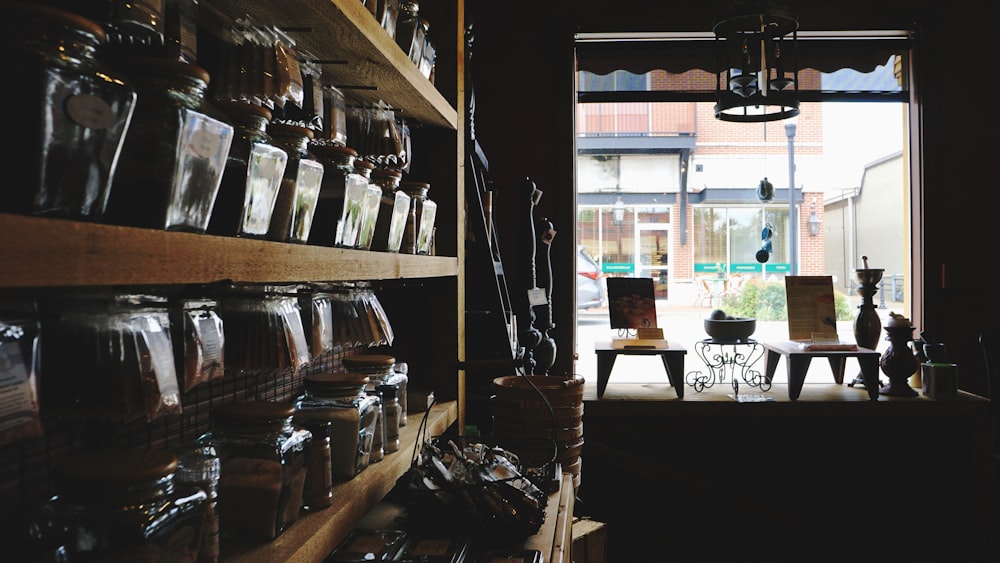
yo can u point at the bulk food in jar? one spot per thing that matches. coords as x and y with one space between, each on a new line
68 110
295 206
394 206
199 466
419 229
108 355
253 174
119 505
381 373
338 211
264 330
174 155
340 399
263 458
409 32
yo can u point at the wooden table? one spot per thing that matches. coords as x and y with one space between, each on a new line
672 357
797 362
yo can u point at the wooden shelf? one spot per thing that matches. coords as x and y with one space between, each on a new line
52 252
365 63
313 536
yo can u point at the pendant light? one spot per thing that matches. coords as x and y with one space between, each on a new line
755 52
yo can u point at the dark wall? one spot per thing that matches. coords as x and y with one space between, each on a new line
522 71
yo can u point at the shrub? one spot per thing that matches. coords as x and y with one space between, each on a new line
765 301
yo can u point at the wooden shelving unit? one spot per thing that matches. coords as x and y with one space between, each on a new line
360 58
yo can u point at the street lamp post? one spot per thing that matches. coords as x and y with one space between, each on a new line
618 217
793 223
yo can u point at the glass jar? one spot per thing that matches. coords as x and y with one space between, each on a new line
341 400
318 490
380 371
68 111
119 505
296 204
419 226
401 378
338 210
369 205
174 155
117 351
254 169
409 32
428 54
264 328
391 409
263 458
199 466
394 207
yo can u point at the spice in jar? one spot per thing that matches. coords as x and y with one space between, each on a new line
318 490
263 458
254 169
394 206
119 505
338 209
175 152
341 400
70 114
293 213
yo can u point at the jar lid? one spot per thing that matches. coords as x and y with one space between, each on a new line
289 130
243 108
368 361
256 412
22 11
105 468
384 173
415 188
388 390
333 151
160 66
365 164
333 381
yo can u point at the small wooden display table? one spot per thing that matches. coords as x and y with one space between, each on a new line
798 361
672 357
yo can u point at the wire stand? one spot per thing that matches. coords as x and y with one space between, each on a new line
735 358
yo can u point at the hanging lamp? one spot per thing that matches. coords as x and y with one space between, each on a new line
756 56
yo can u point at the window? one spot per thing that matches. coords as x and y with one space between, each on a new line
842 164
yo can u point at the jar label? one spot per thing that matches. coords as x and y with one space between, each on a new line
90 111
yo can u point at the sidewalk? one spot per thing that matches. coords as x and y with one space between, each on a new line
684 324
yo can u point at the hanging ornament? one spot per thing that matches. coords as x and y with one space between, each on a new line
765 190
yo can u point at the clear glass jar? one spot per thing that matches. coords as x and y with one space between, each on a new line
341 400
338 210
394 207
409 32
296 204
117 350
264 328
263 458
380 371
254 169
428 54
175 153
318 490
199 466
69 112
119 505
419 229
401 378
391 409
